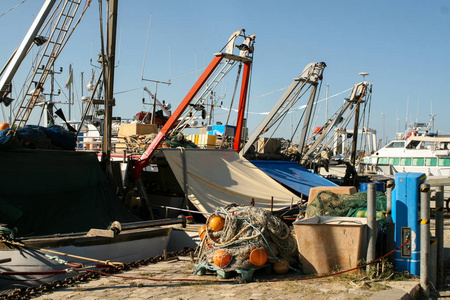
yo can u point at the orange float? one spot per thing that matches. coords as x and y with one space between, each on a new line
216 223
221 258
258 257
281 268
4 126
202 232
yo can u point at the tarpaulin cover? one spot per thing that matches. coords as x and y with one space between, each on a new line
51 191
38 137
217 178
292 175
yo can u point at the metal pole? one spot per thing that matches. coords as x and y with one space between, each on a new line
326 106
371 223
82 91
440 233
70 94
390 229
425 238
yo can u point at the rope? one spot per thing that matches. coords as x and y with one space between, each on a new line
342 272
229 281
160 279
215 281
181 209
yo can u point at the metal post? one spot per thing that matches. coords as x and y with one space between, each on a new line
390 226
371 223
433 261
425 238
440 233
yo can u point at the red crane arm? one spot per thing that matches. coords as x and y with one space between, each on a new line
145 158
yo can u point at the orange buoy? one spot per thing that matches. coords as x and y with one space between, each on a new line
258 257
216 223
202 232
221 258
4 126
281 268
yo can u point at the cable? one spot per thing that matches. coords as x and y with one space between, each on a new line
17 5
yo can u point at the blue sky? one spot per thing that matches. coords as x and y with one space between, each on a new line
403 45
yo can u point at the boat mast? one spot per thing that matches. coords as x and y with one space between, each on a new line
359 94
109 77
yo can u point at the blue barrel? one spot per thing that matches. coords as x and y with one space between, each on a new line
405 213
380 186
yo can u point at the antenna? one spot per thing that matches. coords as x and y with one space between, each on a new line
146 45
364 74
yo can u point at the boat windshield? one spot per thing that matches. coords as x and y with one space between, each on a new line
396 144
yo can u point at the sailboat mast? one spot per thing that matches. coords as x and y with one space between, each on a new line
109 84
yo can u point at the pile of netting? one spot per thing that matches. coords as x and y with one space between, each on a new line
327 203
245 237
139 143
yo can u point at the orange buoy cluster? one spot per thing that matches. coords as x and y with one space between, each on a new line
281 267
4 126
234 239
215 223
221 258
258 257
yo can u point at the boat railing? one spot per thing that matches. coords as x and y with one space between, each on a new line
95 143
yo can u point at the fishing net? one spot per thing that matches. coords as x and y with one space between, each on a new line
327 203
245 229
137 144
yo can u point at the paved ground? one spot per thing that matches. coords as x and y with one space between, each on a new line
120 288
154 282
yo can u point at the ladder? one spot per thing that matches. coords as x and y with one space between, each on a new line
51 50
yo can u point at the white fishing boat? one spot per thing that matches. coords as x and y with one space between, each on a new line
419 150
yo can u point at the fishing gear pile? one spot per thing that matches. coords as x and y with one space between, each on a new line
246 237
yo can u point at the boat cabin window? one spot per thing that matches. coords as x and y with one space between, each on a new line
405 161
413 145
431 162
394 161
396 144
370 160
444 162
418 161
382 160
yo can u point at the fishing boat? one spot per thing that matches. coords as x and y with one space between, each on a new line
57 204
58 207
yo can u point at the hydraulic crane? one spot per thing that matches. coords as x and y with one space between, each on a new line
220 65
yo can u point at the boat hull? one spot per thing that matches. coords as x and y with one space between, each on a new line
128 246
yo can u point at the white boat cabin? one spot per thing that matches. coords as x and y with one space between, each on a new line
425 154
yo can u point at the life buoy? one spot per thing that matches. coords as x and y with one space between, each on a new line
411 133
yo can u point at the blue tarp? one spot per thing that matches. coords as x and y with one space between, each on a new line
292 175
38 137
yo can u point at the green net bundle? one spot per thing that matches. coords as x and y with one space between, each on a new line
245 228
327 203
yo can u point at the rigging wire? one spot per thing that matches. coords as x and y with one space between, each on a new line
15 6
234 92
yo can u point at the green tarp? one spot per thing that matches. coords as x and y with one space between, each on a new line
46 192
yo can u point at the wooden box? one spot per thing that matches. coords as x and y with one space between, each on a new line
137 129
266 145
